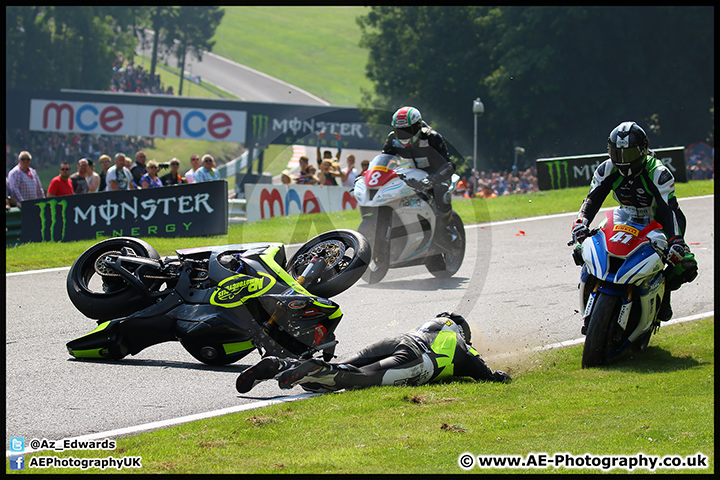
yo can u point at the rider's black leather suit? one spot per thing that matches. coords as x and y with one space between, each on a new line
430 154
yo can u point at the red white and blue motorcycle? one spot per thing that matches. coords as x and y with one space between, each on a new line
401 223
621 285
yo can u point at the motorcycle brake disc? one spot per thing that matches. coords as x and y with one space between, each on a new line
331 250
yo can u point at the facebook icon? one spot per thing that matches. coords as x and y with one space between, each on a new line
17 462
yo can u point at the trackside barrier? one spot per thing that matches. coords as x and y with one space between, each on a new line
267 201
13 226
577 171
237 210
13 220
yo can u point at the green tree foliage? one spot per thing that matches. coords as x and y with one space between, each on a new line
190 30
160 19
64 47
554 80
55 47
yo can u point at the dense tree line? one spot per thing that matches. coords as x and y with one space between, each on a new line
554 80
55 47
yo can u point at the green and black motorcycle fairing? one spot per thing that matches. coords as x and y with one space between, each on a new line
220 302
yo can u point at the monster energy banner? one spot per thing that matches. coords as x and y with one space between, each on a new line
187 210
567 172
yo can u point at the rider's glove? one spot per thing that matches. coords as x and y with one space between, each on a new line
580 230
418 185
501 377
676 250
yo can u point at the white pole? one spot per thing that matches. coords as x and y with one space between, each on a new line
475 146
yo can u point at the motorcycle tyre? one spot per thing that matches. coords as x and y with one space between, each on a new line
600 330
334 284
106 306
374 228
437 264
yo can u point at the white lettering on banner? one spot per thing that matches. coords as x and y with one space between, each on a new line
311 127
137 120
586 171
109 210
267 201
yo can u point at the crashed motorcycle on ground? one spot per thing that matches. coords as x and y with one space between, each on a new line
621 285
220 302
401 223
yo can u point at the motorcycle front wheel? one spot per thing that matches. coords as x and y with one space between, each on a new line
601 330
99 294
347 254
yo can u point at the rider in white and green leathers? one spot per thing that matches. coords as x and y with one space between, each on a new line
436 350
645 190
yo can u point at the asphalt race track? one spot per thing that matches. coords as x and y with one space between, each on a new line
517 287
244 82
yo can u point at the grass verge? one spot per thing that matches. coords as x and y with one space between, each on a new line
299 228
659 402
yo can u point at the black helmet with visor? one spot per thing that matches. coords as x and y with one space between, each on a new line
628 147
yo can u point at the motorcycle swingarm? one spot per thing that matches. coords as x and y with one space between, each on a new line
133 279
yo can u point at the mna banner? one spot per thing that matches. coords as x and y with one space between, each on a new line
188 210
267 201
577 171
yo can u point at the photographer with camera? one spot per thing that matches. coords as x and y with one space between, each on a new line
173 177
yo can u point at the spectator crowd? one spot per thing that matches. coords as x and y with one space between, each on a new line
700 164
119 173
329 172
132 78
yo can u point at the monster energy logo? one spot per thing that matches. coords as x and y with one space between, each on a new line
260 126
52 207
558 167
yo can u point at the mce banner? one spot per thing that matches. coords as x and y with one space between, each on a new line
168 116
577 171
186 210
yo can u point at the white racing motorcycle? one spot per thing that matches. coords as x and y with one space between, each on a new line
400 223
621 285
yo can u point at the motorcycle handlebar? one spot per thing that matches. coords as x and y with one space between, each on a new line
591 233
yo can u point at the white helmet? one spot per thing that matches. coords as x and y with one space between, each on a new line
407 123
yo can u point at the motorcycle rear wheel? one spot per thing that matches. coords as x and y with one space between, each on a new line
106 297
445 265
601 327
376 228
347 253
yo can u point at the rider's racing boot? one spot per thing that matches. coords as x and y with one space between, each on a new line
313 371
447 234
265 369
665 312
